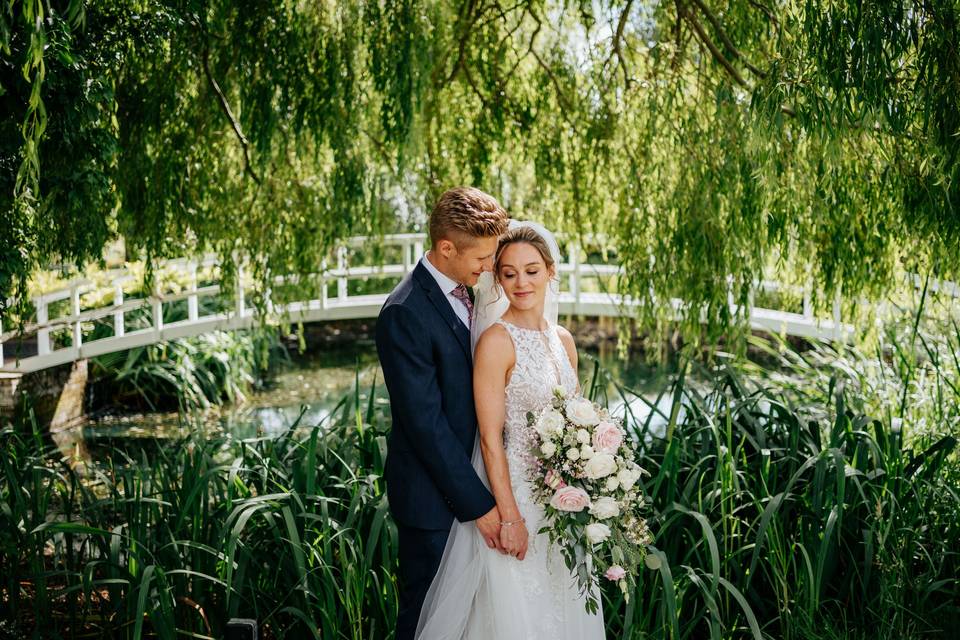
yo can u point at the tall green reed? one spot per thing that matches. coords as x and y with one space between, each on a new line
795 515
785 505
189 374
290 530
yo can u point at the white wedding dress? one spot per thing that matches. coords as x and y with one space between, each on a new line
482 594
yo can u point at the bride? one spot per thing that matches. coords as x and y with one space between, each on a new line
520 355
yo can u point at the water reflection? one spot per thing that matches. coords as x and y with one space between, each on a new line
318 384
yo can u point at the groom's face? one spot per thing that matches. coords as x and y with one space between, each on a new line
466 260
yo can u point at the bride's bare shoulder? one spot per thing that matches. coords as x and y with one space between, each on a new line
495 341
566 338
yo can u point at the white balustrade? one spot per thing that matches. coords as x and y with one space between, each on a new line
576 300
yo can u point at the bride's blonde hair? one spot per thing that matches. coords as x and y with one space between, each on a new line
525 235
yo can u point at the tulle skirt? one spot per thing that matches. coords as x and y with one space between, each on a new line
482 594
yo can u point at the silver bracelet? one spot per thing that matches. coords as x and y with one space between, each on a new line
510 523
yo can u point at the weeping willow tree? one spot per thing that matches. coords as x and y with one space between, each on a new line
705 139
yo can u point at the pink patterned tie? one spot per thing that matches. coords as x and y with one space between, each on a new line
460 293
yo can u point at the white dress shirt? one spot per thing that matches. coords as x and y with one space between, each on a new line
447 285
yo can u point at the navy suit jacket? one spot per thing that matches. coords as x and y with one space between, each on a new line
424 351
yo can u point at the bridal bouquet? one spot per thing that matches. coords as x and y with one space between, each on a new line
587 483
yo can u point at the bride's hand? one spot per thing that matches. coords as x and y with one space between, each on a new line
514 538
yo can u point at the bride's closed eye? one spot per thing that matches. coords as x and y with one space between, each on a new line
532 272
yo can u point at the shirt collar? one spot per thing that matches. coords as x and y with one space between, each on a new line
447 284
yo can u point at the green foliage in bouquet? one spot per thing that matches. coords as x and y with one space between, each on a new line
585 476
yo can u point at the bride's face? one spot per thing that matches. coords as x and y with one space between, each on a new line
524 276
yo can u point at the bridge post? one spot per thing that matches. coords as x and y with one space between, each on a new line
43 335
156 305
574 281
323 284
192 313
75 311
342 278
268 300
118 328
240 302
407 258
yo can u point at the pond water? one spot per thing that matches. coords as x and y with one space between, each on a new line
317 383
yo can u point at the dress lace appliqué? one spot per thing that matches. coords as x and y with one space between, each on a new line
550 592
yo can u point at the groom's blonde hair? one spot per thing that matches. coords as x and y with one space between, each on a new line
465 213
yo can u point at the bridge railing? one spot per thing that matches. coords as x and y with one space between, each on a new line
577 297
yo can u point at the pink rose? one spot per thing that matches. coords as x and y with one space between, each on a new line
616 572
607 438
554 480
570 499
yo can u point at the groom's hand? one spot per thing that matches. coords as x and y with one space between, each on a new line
489 525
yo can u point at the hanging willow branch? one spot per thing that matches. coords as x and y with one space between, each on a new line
344 112
721 32
225 107
708 42
617 43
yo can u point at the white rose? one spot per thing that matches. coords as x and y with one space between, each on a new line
548 449
558 390
600 466
583 436
605 507
580 411
612 483
597 532
627 478
549 424
573 454
586 452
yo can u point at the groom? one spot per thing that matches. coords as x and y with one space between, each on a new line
423 340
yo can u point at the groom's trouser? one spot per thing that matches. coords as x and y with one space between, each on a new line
419 557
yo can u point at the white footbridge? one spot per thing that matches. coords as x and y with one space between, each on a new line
63 328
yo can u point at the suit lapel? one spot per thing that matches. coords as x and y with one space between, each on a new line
439 301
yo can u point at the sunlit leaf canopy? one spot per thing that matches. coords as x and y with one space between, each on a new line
705 140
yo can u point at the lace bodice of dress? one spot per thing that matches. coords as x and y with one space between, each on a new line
530 388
